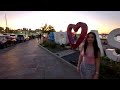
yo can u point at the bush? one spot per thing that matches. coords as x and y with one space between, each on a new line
52 44
68 44
45 44
109 69
63 46
49 44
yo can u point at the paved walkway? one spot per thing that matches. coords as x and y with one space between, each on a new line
64 53
29 61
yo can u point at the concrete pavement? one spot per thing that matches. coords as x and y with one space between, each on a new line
29 61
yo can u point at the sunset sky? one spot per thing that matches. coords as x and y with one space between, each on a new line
103 21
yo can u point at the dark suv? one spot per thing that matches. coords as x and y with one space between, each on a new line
20 38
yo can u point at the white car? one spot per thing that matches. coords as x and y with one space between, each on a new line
13 37
26 37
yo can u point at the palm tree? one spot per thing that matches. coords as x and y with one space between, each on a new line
50 29
44 28
47 29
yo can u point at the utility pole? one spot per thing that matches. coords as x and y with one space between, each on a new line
6 22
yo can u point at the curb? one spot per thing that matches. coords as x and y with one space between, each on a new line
59 58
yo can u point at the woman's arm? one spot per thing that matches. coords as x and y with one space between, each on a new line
80 56
97 64
80 60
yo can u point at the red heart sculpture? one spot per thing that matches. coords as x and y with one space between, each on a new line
84 29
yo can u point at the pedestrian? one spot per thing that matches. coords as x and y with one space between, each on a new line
89 58
39 38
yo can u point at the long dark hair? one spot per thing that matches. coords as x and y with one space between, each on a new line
95 45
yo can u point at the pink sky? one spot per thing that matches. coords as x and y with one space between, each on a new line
103 21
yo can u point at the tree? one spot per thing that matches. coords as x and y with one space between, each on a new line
1 29
47 29
16 31
7 30
51 29
44 28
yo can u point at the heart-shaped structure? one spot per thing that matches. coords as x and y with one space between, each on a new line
84 29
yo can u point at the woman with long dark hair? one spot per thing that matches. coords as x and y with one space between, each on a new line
89 59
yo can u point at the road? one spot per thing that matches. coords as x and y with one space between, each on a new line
29 61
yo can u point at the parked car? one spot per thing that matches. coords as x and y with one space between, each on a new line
3 41
31 37
26 37
13 38
10 39
21 38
